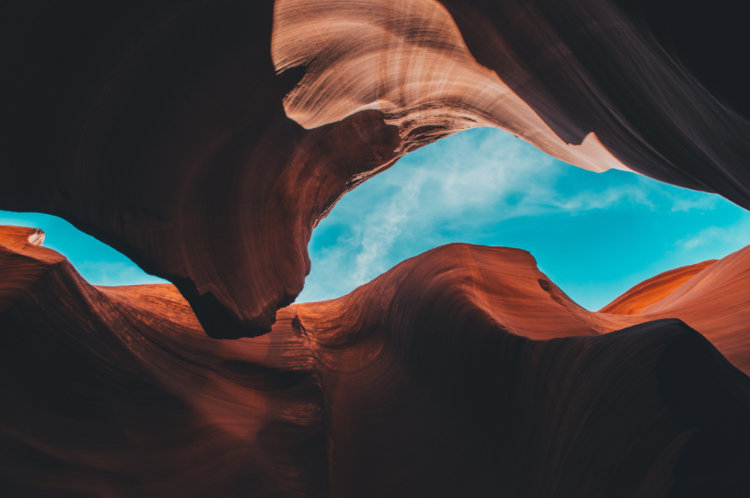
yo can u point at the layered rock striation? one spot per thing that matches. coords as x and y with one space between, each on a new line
206 139
461 372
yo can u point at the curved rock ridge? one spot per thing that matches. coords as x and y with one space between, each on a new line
497 285
631 71
654 289
424 382
713 300
504 286
409 62
593 83
117 391
163 129
160 129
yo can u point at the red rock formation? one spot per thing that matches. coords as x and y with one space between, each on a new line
119 392
653 290
165 136
460 372
409 63
712 299
163 129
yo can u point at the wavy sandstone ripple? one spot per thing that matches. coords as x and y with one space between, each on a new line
461 372
206 139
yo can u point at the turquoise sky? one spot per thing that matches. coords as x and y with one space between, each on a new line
594 234
95 261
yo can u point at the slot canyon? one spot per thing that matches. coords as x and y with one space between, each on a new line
206 140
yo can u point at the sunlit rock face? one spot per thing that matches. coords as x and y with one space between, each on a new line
117 391
461 372
159 128
710 297
205 140
407 60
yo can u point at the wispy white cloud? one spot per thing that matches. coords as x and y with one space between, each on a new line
733 237
613 196
695 202
498 175
381 227
462 188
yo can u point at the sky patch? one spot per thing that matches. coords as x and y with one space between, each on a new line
594 234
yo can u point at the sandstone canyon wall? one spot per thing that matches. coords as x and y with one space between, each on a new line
461 372
206 139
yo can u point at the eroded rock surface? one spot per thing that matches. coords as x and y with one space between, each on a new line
206 139
461 372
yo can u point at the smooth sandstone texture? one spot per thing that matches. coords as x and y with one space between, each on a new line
654 289
460 372
206 139
713 300
409 62
117 391
159 128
